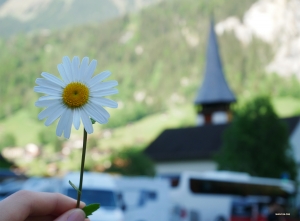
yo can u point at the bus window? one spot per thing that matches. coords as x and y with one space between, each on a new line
234 188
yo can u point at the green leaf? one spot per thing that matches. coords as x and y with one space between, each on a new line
89 209
75 188
93 121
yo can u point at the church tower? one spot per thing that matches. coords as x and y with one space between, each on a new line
214 96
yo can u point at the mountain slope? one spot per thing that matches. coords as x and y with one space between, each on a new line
34 15
157 56
276 23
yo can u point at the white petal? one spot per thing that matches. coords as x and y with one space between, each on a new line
104 102
76 118
88 126
68 68
98 78
45 113
62 123
45 83
67 129
75 67
104 92
103 112
49 97
55 114
104 85
90 71
83 68
96 114
46 103
49 91
63 73
53 79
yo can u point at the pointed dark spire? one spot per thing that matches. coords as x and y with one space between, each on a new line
214 88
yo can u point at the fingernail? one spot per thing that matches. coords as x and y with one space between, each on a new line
76 215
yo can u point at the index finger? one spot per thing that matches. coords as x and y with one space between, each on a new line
22 204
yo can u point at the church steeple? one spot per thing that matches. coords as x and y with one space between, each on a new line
214 96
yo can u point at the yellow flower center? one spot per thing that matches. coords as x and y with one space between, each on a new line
75 95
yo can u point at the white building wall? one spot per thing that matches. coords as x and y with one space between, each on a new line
218 117
177 167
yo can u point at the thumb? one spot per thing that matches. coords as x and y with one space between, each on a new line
72 215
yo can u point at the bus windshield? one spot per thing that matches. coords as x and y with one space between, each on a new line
106 198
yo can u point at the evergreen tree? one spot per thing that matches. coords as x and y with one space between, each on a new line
257 142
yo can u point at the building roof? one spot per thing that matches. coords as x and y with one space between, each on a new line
194 143
214 88
291 123
187 143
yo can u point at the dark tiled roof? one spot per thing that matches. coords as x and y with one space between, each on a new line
214 88
187 143
291 123
194 143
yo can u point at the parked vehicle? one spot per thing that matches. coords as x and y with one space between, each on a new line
42 184
10 186
211 196
97 188
10 182
146 199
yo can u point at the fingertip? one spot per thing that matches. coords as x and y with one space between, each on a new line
76 215
72 215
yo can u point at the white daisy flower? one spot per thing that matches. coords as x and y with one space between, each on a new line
77 96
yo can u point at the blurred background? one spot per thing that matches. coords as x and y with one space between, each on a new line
204 85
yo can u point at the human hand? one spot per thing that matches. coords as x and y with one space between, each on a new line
37 206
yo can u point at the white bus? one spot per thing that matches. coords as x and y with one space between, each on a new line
221 195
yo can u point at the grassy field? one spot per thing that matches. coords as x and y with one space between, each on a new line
286 107
22 126
26 129
139 133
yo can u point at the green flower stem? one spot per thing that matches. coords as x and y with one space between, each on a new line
82 167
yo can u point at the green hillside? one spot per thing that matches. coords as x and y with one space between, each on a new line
39 16
147 53
156 55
